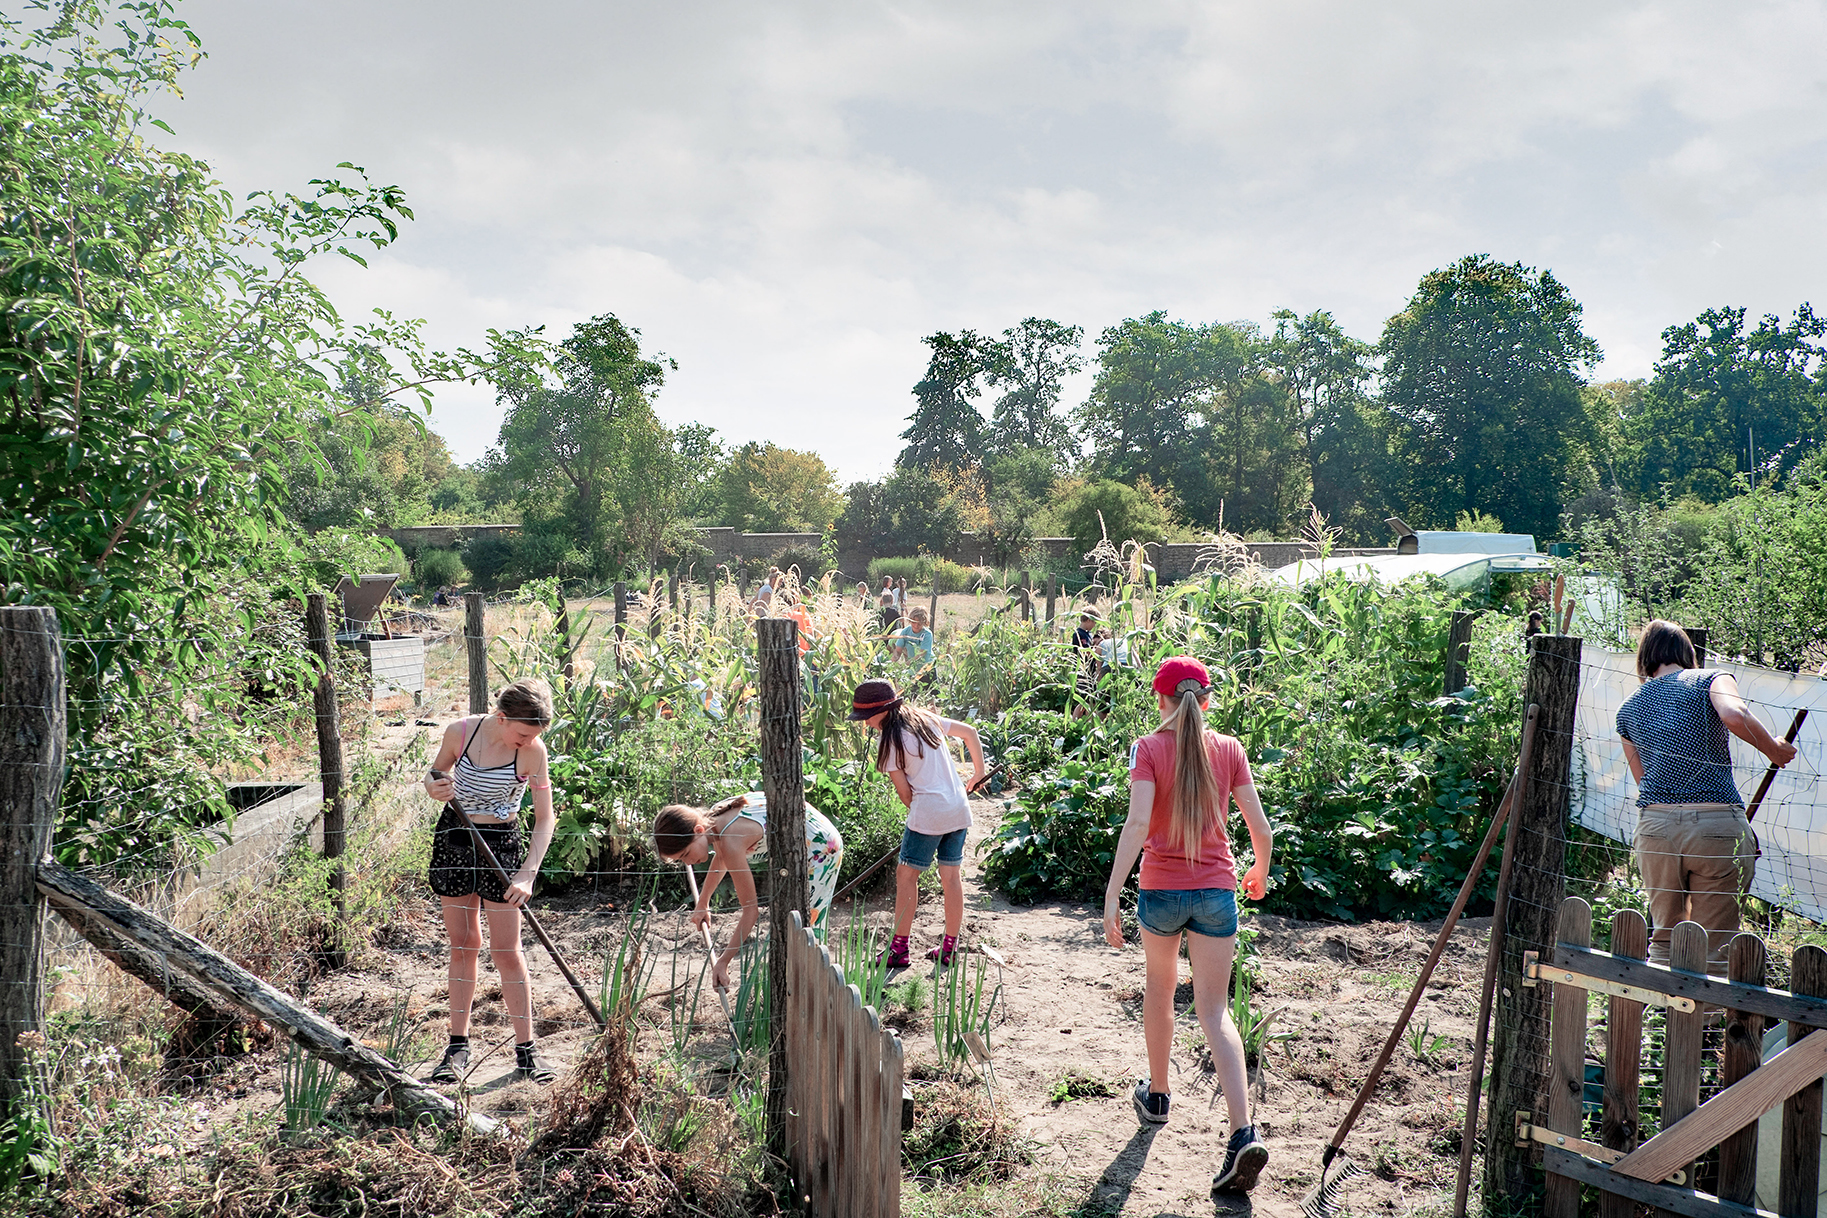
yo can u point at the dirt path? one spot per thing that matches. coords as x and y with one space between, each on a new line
1071 1005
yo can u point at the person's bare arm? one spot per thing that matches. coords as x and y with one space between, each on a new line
443 789
1634 760
1262 841
1743 724
733 854
973 744
902 787
1129 848
545 822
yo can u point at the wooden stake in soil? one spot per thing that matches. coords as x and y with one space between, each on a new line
475 639
31 779
563 627
1458 651
783 782
1536 855
329 757
621 619
1052 596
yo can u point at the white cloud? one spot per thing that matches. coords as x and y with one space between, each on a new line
785 197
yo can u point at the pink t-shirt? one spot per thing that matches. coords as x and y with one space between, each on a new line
1164 866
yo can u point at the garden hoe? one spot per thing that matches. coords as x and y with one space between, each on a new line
723 993
483 851
1322 1202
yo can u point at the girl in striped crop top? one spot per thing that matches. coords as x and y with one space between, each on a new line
484 766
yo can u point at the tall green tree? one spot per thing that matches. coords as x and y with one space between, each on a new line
1155 385
770 489
1481 376
1030 364
1720 387
583 452
946 429
1327 374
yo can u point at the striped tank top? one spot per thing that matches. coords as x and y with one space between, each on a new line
493 792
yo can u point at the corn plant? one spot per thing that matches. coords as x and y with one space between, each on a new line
960 1006
1252 1022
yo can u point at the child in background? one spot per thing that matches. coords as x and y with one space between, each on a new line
1182 779
913 643
914 756
727 835
889 615
485 764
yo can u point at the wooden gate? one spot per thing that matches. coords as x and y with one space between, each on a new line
844 1090
1660 1171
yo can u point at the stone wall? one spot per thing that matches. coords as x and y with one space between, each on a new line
444 536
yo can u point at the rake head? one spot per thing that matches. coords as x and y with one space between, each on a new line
1323 1201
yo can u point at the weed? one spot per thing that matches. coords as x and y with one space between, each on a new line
1077 1085
956 1137
1253 1024
911 995
1426 1046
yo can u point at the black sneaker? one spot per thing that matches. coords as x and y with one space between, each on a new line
1151 1106
1244 1160
454 1066
530 1066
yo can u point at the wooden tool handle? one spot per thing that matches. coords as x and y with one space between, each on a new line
1763 788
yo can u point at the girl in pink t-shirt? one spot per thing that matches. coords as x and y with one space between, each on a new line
1181 783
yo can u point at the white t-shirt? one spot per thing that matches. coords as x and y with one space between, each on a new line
939 802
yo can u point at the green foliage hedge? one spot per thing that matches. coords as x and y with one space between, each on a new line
1377 787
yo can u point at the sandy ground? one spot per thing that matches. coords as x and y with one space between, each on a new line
1071 1006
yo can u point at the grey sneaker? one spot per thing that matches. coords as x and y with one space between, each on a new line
1244 1160
454 1066
1151 1106
530 1065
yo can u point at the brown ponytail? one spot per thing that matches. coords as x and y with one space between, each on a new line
901 721
1195 786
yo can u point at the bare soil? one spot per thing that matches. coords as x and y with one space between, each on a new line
1071 1007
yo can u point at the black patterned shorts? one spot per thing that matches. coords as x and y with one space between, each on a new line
455 869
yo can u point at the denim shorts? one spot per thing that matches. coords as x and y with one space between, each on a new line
1204 911
917 849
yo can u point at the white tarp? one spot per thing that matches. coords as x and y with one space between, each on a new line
1791 825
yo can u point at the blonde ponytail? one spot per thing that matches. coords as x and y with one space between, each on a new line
1195 785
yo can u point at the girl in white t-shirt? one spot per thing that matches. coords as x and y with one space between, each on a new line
913 754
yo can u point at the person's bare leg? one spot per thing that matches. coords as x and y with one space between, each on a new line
906 898
951 880
463 923
1162 953
511 964
1211 961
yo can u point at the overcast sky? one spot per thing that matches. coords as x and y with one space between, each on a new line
785 197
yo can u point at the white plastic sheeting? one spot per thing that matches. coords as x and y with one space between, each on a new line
1791 825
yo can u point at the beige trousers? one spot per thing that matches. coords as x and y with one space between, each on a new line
1697 860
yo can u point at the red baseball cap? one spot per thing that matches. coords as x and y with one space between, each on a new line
1177 669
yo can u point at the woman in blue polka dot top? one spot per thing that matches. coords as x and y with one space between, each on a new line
1694 845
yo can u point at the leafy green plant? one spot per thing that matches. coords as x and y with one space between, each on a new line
1253 1024
911 995
627 969
306 1084
751 1009
1424 1044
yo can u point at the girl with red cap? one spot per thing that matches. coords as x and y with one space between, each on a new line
913 754
1182 779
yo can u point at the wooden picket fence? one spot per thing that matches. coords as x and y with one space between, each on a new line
844 1090
1660 1171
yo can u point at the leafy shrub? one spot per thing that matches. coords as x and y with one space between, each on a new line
1377 788
434 569
810 561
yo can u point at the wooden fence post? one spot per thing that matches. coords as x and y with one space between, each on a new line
1799 1170
1052 596
329 751
476 637
1027 597
31 778
783 782
932 612
1458 651
1519 1043
672 591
